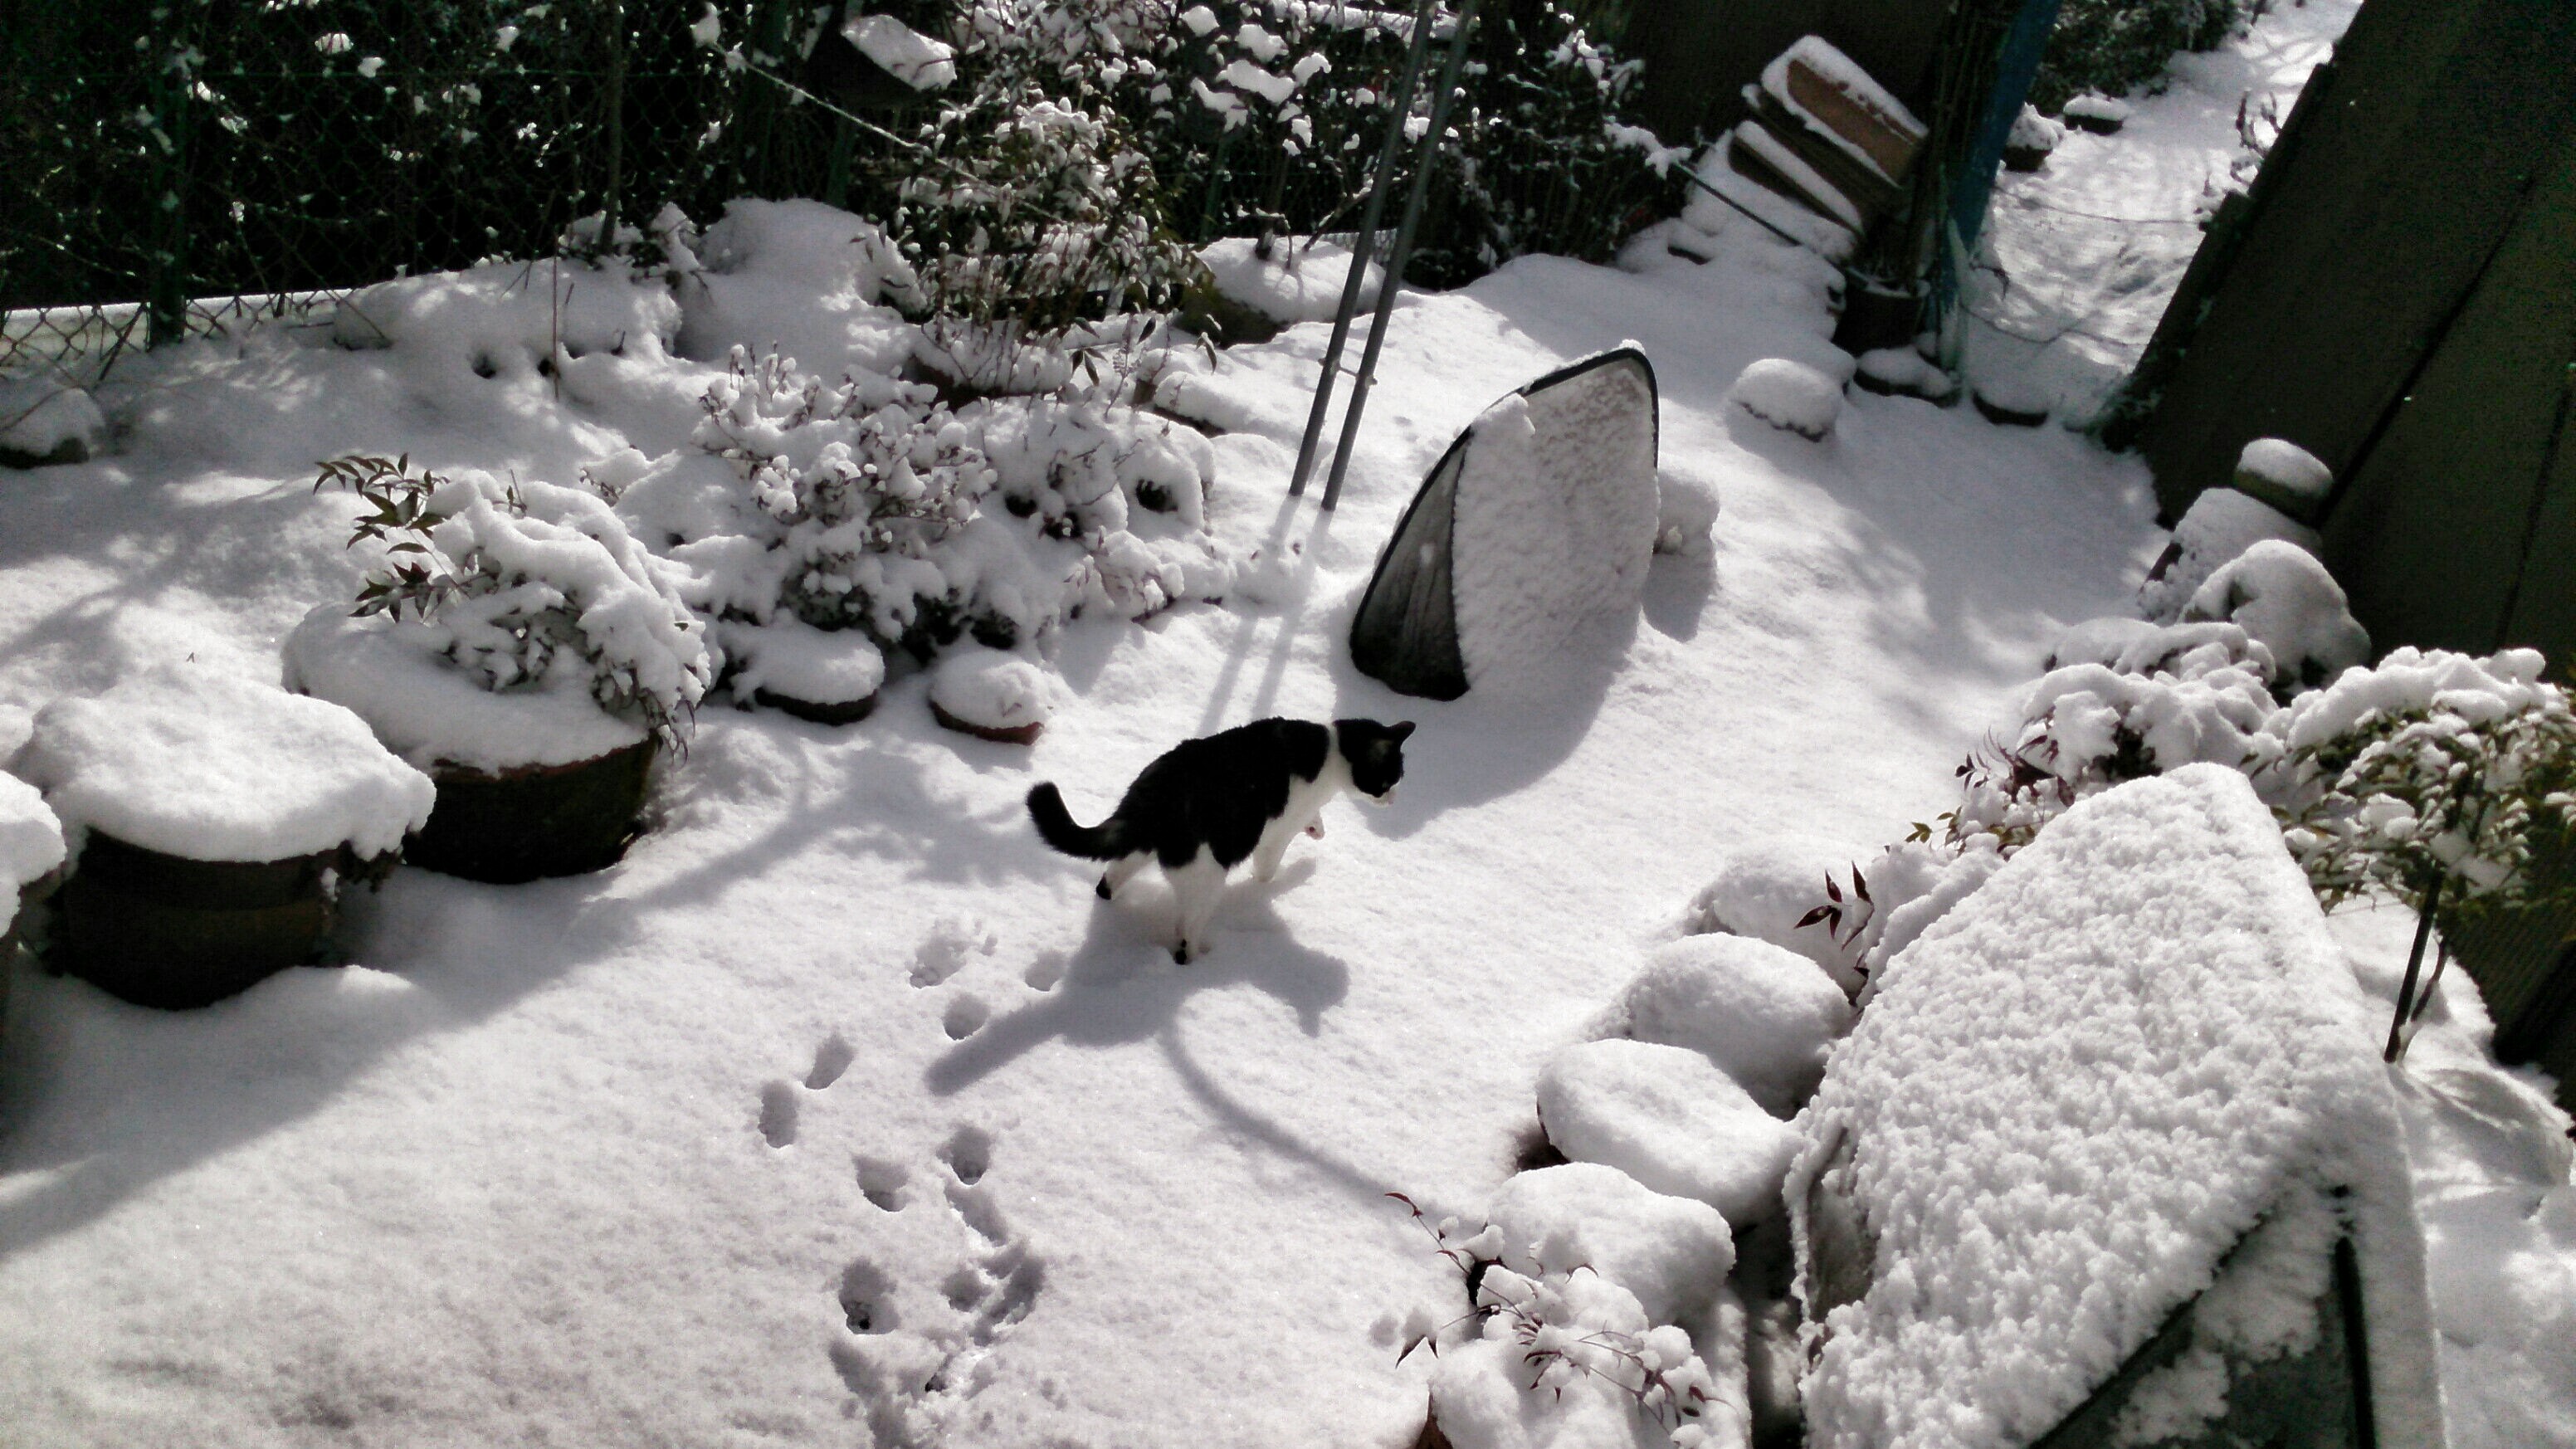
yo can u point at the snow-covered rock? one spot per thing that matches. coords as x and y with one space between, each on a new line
1669 1118
1555 519
31 845
196 763
1764 1015
1763 892
1673 1253
795 660
2285 600
1299 281
992 693
800 278
2220 524
2284 475
1789 395
2070 1102
43 421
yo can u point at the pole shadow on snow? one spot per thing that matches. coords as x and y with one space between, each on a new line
1290 610
1121 986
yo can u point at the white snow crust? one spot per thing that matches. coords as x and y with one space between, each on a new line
1763 1015
2410 680
397 677
1789 395
193 762
1825 240
905 53
790 657
1673 1253
31 843
2285 600
39 415
800 278
1666 1116
1763 893
990 688
1907 370
1300 281
1555 522
2286 468
2220 524
501 319
1843 74
2067 1103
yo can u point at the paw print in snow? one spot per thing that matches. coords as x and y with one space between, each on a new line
952 942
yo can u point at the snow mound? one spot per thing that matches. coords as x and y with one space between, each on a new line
503 319
2099 641
2285 600
1789 395
2070 1101
399 678
789 657
31 845
1555 519
1297 282
1763 1015
992 690
194 763
2220 524
1764 893
2284 475
903 52
1716 171
1497 1392
1670 1119
42 421
800 278
1673 1253
1904 370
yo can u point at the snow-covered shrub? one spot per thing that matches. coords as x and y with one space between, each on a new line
2220 525
867 504
2287 602
2433 767
525 587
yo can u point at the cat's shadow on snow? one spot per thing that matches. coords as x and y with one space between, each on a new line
1121 986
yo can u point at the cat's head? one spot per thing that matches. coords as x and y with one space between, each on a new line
1376 753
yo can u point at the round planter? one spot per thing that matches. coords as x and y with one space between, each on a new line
161 930
1876 317
1026 734
534 821
846 712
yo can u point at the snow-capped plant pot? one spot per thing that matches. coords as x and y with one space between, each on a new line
826 676
218 821
544 659
31 861
1788 395
991 695
1876 317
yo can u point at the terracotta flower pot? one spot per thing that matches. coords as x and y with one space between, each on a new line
161 930
534 821
845 712
1026 734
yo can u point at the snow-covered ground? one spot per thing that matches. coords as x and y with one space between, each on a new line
841 1112
2086 251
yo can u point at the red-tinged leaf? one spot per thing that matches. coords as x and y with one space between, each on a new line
1860 885
1820 913
1833 892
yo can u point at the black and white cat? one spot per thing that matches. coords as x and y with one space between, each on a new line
1208 804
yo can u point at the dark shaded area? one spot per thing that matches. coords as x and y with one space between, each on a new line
531 823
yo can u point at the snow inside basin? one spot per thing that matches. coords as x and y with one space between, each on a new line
432 713
2116 1114
206 766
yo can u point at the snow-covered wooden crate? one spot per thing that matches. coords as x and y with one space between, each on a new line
1824 134
2111 1158
216 821
1542 514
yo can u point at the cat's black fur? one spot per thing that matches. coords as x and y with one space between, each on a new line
1206 805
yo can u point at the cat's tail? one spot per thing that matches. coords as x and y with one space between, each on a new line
1105 841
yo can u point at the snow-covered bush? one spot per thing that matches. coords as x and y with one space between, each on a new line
865 505
2287 602
2433 767
525 587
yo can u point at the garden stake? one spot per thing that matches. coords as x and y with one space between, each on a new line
1363 243
1403 252
2414 964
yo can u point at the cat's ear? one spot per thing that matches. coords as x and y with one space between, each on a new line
1398 730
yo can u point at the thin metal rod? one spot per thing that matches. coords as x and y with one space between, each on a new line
1403 252
1365 242
1695 179
2414 963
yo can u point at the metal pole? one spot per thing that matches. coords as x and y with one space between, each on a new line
616 122
1364 243
1403 250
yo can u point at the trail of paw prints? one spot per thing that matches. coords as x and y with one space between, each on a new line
781 1104
915 1348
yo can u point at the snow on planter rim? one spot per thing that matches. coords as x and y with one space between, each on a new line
2071 1098
31 844
207 766
430 712
991 689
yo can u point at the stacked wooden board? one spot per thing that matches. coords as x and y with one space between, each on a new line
1826 136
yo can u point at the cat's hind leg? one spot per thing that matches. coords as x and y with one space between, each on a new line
1121 871
1197 888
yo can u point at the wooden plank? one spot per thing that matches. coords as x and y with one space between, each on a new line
1888 141
2443 112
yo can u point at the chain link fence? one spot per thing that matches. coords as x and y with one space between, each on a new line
272 154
